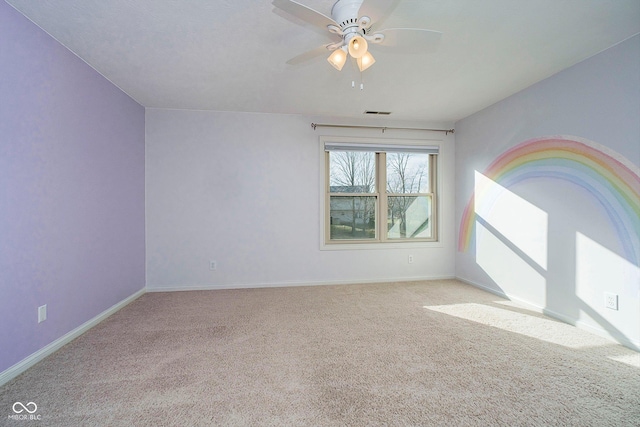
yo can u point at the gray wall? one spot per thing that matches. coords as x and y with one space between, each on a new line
570 248
244 190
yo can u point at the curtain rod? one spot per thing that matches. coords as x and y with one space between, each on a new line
384 128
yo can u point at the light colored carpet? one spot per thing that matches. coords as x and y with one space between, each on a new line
419 353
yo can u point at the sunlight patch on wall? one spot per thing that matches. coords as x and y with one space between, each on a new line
598 269
507 269
522 223
612 179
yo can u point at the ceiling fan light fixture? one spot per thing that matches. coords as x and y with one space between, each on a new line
357 46
366 61
338 58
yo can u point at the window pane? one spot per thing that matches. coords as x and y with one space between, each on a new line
352 217
409 217
407 173
352 172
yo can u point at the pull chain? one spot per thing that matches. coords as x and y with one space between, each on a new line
353 83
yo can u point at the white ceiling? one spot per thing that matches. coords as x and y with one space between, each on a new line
230 55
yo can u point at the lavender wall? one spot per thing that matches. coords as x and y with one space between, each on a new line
596 100
71 190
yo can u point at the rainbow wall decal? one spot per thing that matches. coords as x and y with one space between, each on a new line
611 178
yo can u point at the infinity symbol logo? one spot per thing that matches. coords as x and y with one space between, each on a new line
22 407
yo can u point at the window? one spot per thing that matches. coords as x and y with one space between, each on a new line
380 193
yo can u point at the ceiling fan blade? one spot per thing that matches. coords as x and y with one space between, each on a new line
307 56
377 10
410 40
304 13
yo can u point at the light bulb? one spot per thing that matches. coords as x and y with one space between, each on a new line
366 61
357 46
338 58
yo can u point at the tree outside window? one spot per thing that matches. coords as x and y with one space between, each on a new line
359 211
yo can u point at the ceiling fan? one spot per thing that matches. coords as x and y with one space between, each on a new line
355 23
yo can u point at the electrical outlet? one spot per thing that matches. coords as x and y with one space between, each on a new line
410 259
611 301
213 265
42 313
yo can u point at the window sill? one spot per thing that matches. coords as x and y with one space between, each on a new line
378 245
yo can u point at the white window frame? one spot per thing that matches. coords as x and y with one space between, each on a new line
382 242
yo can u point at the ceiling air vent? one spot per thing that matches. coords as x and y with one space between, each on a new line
378 113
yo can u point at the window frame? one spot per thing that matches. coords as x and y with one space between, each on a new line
381 240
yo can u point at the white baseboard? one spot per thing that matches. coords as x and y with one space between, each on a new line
15 370
621 339
178 288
